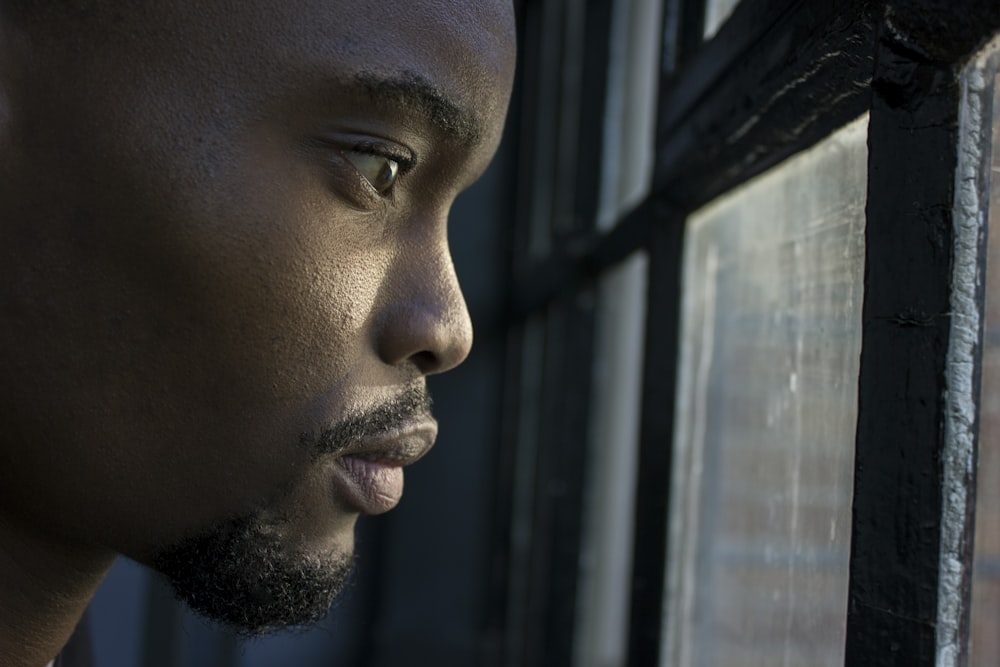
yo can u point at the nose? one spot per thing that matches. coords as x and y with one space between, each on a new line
425 320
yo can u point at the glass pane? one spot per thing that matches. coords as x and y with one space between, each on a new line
601 631
985 627
766 416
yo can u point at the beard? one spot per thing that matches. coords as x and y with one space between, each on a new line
241 573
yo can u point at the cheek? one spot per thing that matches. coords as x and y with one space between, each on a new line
300 284
283 347
313 319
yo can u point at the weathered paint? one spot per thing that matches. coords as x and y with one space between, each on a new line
961 412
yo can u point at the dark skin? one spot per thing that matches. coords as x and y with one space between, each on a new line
208 259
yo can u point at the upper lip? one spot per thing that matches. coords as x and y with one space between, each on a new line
397 446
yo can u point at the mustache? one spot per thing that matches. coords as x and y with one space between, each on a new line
395 413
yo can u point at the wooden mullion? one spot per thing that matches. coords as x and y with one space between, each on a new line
897 512
659 389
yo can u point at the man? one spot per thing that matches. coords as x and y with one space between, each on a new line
225 277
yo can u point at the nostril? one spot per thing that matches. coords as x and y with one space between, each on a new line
426 361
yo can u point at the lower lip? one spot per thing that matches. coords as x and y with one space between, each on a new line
369 487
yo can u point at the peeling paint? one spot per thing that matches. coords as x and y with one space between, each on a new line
958 457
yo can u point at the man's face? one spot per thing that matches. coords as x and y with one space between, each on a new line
225 267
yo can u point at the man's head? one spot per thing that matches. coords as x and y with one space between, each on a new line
225 273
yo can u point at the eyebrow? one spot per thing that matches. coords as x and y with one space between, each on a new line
413 92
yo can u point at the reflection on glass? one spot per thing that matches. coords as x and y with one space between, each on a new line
766 416
716 13
985 626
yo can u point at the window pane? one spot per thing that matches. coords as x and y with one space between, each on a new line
606 550
985 641
766 416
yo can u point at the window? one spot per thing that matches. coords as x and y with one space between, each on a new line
803 505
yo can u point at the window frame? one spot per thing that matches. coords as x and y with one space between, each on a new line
776 78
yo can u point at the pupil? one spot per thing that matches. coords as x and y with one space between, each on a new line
386 175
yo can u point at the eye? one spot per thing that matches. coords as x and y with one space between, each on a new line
378 170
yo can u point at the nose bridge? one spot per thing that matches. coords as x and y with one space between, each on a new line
426 321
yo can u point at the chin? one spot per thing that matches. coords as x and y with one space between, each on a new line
242 574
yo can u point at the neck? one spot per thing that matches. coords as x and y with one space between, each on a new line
45 586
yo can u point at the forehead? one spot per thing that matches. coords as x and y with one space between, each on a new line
454 54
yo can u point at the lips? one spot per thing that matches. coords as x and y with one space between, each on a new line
369 476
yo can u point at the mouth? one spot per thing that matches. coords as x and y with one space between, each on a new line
369 475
